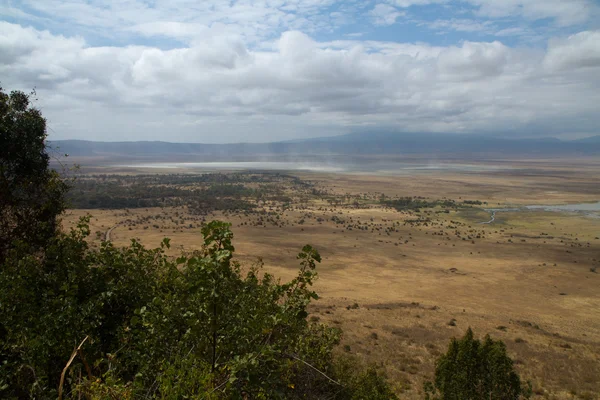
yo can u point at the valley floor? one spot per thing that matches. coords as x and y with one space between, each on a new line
400 284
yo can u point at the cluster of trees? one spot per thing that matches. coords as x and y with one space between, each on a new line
413 203
473 202
201 193
124 323
144 191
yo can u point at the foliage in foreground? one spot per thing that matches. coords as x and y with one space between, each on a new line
192 327
31 194
472 370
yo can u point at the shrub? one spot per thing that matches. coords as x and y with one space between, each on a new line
472 370
164 328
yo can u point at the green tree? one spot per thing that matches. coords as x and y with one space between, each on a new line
247 334
31 194
472 370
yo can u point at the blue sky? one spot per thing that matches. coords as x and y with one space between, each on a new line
249 70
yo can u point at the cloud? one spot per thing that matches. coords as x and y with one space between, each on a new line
513 31
185 19
473 61
383 14
460 25
354 34
219 88
258 21
170 29
410 3
581 50
564 12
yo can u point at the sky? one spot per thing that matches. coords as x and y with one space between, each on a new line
222 71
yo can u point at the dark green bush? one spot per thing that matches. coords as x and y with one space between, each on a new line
472 370
159 327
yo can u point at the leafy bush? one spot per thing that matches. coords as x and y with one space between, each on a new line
162 328
472 370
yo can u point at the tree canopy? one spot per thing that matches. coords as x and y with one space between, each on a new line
31 194
474 370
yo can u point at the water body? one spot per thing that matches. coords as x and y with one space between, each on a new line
384 168
493 212
589 209
244 165
492 219
568 207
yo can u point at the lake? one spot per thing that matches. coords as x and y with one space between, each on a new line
568 207
382 168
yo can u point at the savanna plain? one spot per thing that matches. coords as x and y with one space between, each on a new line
410 259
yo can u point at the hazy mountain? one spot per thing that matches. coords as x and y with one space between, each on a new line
591 139
355 144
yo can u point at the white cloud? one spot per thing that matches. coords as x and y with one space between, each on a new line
473 61
218 88
257 21
565 12
461 25
170 29
410 3
354 34
513 31
383 14
185 19
581 50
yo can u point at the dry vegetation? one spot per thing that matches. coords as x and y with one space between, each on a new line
401 283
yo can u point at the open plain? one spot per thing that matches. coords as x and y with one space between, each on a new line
400 280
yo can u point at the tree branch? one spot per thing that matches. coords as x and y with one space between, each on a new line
62 376
313 367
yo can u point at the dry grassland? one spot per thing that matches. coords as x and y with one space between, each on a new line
401 290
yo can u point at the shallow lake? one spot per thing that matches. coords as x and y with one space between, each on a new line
568 207
384 168
243 165
589 209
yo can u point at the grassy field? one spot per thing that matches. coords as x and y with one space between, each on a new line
402 283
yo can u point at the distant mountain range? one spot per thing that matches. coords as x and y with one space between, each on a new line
355 144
